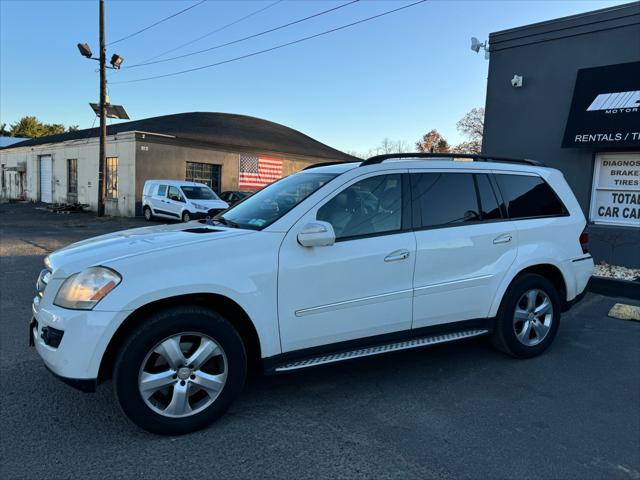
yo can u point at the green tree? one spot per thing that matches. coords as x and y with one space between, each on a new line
432 142
31 127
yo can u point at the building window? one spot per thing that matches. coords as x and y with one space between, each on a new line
112 178
72 176
206 173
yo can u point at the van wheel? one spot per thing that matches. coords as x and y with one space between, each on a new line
186 216
180 370
148 215
528 318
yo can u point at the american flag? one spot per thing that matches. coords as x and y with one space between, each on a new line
256 172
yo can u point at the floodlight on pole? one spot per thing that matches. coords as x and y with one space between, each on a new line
85 51
116 61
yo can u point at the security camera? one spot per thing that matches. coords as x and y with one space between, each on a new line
516 81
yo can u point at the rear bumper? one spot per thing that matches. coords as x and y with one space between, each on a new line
577 299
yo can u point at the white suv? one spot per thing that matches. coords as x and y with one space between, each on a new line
332 263
179 200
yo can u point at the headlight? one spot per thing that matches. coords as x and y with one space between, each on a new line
83 291
198 206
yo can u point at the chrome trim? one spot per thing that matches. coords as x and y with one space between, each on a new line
452 282
379 349
358 301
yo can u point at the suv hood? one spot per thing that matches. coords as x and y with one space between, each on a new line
136 241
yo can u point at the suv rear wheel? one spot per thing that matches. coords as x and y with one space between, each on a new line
180 370
528 317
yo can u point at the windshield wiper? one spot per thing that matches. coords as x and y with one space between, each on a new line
227 222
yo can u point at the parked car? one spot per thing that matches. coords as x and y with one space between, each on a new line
181 200
332 263
234 196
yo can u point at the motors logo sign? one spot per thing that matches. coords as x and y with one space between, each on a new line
616 102
605 109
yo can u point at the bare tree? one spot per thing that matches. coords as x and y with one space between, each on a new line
472 127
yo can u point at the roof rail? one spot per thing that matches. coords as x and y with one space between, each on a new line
324 164
472 156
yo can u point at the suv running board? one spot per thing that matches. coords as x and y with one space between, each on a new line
379 349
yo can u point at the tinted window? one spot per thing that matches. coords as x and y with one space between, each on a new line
488 199
528 196
371 206
162 190
442 199
174 194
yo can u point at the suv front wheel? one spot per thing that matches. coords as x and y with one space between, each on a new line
180 370
528 317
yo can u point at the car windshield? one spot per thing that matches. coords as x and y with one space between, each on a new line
199 193
269 204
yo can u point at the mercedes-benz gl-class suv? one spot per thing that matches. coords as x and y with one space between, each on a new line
333 263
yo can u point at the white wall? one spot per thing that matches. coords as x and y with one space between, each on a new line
86 151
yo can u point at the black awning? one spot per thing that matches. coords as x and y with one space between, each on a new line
605 111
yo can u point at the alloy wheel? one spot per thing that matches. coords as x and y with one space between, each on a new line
532 317
183 374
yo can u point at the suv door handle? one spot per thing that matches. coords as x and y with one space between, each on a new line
397 255
504 238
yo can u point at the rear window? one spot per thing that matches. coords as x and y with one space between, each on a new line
529 196
488 199
443 199
162 190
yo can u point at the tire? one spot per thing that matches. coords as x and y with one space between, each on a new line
511 334
148 214
164 410
186 216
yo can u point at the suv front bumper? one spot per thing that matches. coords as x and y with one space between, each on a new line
71 343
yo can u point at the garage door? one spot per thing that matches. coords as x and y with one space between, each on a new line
46 195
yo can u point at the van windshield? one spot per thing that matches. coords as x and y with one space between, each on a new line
269 204
199 193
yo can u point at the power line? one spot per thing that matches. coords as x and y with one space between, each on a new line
300 40
157 23
219 29
233 42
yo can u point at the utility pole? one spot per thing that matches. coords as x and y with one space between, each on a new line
103 115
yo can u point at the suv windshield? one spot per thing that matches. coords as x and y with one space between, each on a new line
269 204
199 193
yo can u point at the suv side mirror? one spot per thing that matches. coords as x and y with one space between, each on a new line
317 234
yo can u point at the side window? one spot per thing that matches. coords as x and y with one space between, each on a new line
162 190
443 199
368 207
528 196
174 194
488 199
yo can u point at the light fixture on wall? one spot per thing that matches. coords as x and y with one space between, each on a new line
476 45
516 81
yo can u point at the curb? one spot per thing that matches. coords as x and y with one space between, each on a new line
613 287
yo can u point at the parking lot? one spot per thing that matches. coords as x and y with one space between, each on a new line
454 411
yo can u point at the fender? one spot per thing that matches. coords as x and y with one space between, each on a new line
522 264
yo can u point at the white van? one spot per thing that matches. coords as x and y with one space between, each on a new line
180 200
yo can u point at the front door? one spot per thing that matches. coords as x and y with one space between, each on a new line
464 246
175 201
362 285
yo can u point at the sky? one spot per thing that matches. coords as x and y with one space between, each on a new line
397 76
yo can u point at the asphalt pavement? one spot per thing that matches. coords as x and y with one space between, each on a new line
454 411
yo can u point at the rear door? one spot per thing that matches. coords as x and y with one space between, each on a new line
464 246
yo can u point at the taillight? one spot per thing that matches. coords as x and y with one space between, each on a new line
584 241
